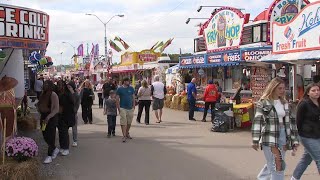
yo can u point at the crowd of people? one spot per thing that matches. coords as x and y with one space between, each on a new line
60 100
276 127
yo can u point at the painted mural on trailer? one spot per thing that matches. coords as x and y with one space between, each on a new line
224 30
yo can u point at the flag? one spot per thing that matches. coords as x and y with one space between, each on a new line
114 46
92 50
166 45
96 50
159 45
80 50
124 44
91 68
152 48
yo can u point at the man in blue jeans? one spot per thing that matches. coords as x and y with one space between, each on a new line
192 95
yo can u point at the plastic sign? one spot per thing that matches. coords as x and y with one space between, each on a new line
23 28
301 34
148 56
231 56
215 58
224 30
192 60
283 11
255 54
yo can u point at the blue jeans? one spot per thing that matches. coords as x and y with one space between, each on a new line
269 171
192 108
112 121
311 152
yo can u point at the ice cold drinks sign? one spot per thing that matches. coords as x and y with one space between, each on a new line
23 28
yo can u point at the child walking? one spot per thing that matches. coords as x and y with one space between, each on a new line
110 109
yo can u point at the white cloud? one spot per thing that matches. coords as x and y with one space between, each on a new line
145 22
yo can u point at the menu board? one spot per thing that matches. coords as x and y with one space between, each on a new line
259 81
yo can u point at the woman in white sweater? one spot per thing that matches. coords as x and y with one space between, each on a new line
144 97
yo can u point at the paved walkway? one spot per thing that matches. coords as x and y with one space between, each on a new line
173 150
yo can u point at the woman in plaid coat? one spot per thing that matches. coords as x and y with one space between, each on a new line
274 130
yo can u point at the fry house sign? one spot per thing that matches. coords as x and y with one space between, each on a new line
23 28
301 34
224 29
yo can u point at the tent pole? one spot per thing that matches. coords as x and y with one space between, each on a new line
294 78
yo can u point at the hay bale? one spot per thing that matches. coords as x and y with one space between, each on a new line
168 99
176 100
184 107
13 170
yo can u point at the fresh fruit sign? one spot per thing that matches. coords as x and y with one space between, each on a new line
301 34
224 30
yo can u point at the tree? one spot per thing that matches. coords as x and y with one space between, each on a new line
175 57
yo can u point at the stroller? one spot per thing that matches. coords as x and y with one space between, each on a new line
223 120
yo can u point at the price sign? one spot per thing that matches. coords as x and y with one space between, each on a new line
259 81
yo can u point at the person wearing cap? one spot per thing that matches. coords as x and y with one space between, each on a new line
210 97
126 106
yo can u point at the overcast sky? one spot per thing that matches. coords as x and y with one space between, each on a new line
145 22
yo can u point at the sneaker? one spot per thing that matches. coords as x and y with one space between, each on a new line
48 160
109 135
74 144
65 152
124 139
61 150
128 136
113 134
55 153
203 120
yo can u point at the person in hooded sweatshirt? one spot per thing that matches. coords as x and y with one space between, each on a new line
210 97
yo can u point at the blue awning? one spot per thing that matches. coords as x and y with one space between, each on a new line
221 64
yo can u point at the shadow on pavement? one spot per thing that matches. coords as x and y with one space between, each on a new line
98 157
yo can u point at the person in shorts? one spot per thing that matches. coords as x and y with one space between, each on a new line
126 106
158 91
110 109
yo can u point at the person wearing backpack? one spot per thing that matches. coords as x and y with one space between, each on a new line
87 97
210 97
